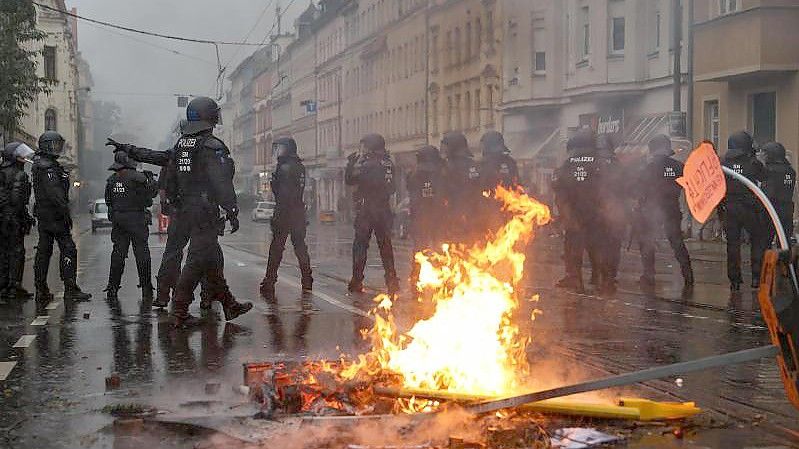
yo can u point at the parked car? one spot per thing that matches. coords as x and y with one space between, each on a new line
264 211
99 214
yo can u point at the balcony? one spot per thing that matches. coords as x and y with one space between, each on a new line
747 43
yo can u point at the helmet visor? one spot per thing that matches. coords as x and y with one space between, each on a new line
280 150
23 153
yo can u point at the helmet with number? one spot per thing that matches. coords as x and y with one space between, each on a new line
741 142
493 143
428 157
202 114
121 160
284 147
51 143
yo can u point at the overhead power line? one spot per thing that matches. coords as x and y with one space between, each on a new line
146 33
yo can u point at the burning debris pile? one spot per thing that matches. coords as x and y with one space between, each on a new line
474 342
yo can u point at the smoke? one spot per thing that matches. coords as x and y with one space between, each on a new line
142 74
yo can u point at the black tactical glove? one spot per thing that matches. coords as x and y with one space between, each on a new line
233 218
118 146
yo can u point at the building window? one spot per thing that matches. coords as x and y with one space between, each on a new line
478 36
477 110
434 116
658 22
49 62
727 6
457 46
764 117
540 62
585 38
50 120
468 41
448 48
434 52
449 114
617 35
467 110
712 122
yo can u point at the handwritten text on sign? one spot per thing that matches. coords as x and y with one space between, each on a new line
703 181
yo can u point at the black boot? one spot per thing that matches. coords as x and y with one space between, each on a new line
21 293
267 290
111 293
205 300
307 283
355 286
43 295
147 293
688 278
392 286
186 321
162 300
74 293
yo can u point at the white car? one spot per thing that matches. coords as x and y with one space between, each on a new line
264 211
99 213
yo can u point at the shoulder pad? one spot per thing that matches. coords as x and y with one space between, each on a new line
216 144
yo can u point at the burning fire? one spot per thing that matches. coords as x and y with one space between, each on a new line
471 343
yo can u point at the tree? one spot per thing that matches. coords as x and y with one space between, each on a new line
19 83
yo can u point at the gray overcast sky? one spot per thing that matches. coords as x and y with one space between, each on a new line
132 71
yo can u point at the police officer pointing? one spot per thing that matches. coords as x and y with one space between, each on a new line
16 221
200 176
128 194
51 190
372 173
288 186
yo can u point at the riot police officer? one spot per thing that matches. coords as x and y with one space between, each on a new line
128 194
51 191
427 203
371 172
200 175
659 208
575 185
177 231
15 221
497 168
743 210
464 189
288 187
779 185
612 194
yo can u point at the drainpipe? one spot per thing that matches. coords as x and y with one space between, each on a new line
689 121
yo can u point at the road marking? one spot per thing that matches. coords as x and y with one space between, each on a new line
53 305
325 297
40 320
24 341
5 369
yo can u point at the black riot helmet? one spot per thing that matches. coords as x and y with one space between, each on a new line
454 144
202 114
581 143
121 160
51 143
10 153
774 152
428 157
660 144
284 147
493 144
742 142
373 144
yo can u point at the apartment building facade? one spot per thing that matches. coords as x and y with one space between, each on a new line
58 110
746 71
604 64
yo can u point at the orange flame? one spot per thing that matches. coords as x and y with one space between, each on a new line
471 343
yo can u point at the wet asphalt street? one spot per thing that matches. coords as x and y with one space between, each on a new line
54 360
